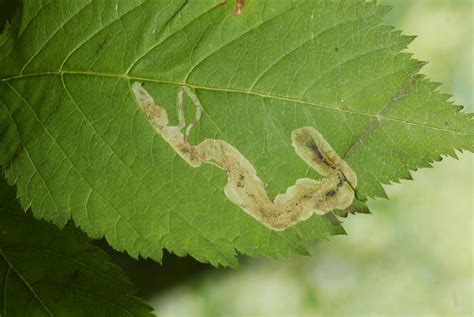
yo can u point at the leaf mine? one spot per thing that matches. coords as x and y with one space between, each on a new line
244 188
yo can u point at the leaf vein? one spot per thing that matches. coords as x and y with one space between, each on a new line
51 37
25 282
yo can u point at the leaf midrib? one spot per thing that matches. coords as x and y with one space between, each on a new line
25 282
377 116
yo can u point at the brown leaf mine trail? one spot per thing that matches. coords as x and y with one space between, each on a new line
244 188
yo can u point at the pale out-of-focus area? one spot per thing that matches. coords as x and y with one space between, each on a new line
412 256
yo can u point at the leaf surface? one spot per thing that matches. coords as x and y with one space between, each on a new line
45 271
76 144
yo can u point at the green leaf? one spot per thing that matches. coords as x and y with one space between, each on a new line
45 271
76 144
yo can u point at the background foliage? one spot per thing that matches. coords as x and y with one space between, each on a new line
45 271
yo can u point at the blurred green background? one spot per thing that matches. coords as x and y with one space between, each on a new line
412 256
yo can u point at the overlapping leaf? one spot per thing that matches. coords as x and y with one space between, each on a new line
76 145
48 272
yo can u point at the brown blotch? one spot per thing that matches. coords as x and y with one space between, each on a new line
239 4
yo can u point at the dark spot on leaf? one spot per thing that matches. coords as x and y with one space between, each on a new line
101 45
72 277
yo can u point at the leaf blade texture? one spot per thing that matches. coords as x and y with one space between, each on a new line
76 144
